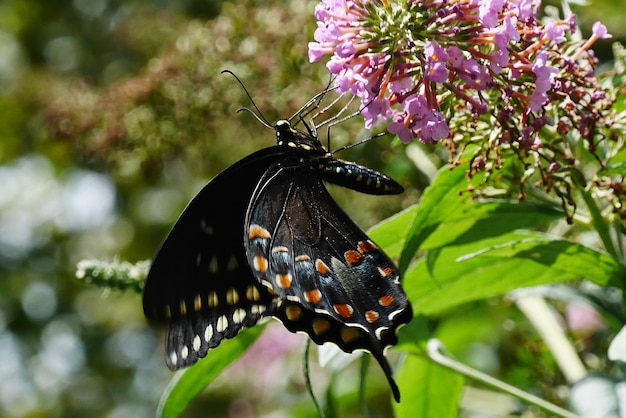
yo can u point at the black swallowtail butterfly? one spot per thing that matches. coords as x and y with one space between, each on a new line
264 238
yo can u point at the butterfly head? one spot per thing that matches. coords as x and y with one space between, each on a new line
287 135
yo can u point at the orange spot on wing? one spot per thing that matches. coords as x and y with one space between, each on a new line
283 280
313 296
343 310
386 300
260 264
321 267
371 316
257 231
367 247
387 271
352 257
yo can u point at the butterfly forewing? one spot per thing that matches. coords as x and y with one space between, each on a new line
200 283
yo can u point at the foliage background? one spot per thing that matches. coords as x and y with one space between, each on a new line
112 115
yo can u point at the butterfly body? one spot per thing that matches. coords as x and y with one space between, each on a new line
264 238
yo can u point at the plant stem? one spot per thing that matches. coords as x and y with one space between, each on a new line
436 351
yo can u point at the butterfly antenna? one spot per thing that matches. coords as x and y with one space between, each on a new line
261 119
258 115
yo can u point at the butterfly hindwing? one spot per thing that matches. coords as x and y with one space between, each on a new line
333 282
200 283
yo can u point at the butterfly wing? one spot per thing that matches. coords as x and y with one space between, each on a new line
332 281
199 282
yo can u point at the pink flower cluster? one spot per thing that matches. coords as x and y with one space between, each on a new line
421 64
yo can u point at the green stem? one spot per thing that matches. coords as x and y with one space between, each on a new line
307 377
365 362
597 220
436 351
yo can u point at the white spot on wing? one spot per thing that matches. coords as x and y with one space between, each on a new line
184 352
222 323
394 313
257 309
239 315
379 332
208 333
196 343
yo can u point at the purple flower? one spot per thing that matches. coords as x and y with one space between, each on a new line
437 57
434 52
400 85
436 71
543 82
500 59
345 49
434 126
415 104
375 110
488 12
456 62
555 32
398 128
526 8
326 32
506 32
600 31
455 57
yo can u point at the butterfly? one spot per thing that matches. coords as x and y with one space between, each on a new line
265 238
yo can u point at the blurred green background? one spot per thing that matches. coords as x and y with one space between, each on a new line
113 113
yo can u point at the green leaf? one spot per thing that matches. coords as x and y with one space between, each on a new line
391 232
447 216
616 168
428 389
412 337
436 202
188 383
483 219
496 265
